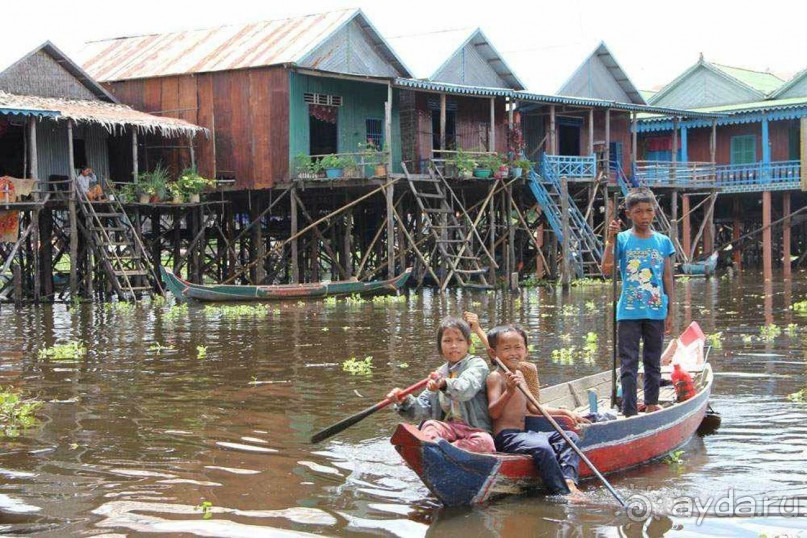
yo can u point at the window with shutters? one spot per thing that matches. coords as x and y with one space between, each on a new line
743 149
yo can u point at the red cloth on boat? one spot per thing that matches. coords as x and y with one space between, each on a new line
460 435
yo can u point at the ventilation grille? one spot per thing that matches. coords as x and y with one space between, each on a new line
322 99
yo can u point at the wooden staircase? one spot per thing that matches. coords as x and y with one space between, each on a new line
118 248
455 238
584 243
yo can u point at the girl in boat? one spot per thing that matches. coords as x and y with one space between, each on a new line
454 404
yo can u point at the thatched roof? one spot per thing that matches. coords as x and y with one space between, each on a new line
113 117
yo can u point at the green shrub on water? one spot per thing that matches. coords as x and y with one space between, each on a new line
800 396
674 458
121 308
564 356
16 414
403 365
389 299
747 338
330 301
565 338
207 509
569 310
176 312
201 352
591 307
237 311
715 340
159 348
158 301
800 307
353 366
69 351
584 282
768 333
355 299
592 338
792 330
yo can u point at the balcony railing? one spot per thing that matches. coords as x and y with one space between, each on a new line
660 173
777 175
572 167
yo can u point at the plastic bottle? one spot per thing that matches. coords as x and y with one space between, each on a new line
684 387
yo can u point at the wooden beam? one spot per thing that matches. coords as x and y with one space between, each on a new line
135 171
634 144
442 123
786 268
566 270
674 151
33 162
713 142
591 131
607 152
767 247
686 227
295 260
72 214
492 136
737 253
553 149
389 194
388 128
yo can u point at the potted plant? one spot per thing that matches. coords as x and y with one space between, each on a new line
486 165
520 167
151 185
177 196
192 184
464 164
333 165
306 167
503 168
372 156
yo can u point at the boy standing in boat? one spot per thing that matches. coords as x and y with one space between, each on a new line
643 314
554 459
454 404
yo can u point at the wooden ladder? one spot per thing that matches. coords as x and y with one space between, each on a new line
454 239
118 247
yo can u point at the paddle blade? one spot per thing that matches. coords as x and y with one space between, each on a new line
342 425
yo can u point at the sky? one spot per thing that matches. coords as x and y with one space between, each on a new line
543 42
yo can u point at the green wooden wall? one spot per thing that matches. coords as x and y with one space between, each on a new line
360 101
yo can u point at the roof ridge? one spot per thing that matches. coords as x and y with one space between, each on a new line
217 27
747 69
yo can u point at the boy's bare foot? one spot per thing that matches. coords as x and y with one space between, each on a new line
575 495
652 408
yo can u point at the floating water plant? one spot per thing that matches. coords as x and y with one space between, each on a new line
747 338
159 348
325 329
237 311
715 340
583 282
355 299
300 303
16 414
592 338
792 330
591 306
201 352
800 307
403 365
684 278
674 457
158 301
800 396
207 509
330 301
389 299
564 356
569 310
69 351
768 333
566 338
353 366
120 308
176 312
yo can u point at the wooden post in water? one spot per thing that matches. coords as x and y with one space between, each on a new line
786 270
258 243
45 254
767 247
686 226
566 273
674 216
33 173
492 234
607 153
737 253
295 262
709 230
72 214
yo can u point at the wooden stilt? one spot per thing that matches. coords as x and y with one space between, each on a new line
786 268
591 131
737 253
511 241
390 192
686 226
674 216
176 217
492 135
767 248
295 261
258 244
709 231
347 245
606 166
46 252
566 270
72 214
492 230
442 124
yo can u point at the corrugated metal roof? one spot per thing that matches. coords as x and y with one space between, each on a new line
455 89
604 55
759 80
275 42
16 111
742 108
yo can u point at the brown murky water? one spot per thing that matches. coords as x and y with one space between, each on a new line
133 440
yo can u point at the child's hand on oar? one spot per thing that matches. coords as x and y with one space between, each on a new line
395 395
436 382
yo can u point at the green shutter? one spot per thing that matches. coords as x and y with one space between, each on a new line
744 149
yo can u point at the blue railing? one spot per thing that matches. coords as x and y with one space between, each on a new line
548 205
571 167
652 173
778 175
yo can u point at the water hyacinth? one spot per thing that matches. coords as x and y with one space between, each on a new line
715 340
71 350
353 366
176 312
768 333
16 414
355 299
120 308
237 311
330 301
389 299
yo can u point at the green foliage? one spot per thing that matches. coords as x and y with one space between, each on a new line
69 351
569 310
121 308
792 330
330 301
125 194
16 414
335 161
747 338
153 183
564 356
355 299
674 458
159 348
534 282
207 509
237 311
490 161
201 352
584 282
524 164
158 301
304 164
389 299
176 312
591 307
715 340
476 346
800 307
592 338
683 278
403 365
190 182
768 333
800 396
354 366
464 163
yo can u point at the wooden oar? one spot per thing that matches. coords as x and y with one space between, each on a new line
563 434
332 430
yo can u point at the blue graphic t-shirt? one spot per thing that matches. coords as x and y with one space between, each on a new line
641 266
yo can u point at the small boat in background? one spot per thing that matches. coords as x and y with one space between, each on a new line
184 290
459 477
703 268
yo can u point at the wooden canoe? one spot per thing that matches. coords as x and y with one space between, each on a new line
184 290
704 268
458 477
